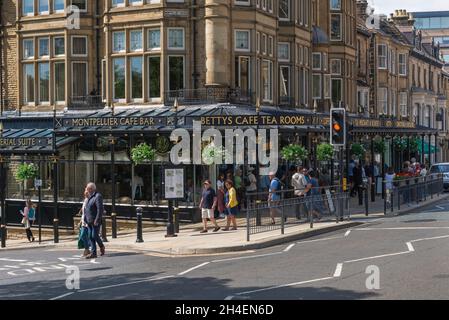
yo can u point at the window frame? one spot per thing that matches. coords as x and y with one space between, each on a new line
248 32
183 38
87 46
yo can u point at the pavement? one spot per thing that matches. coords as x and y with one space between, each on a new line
399 257
190 242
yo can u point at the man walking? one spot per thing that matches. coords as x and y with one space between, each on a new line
208 204
299 184
93 212
274 196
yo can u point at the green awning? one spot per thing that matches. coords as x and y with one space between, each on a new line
433 149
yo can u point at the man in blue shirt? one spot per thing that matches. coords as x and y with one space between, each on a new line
274 195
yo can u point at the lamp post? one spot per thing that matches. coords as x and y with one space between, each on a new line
113 213
54 158
170 224
2 195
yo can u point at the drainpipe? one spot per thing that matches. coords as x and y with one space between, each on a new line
1 59
194 71
97 44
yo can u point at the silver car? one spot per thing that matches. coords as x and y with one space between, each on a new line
444 169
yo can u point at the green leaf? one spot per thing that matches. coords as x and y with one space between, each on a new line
26 171
324 152
294 153
142 153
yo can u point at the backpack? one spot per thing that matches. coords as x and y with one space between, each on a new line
31 214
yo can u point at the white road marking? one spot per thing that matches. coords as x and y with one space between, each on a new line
62 296
247 257
229 297
347 233
379 256
338 270
191 269
401 228
439 207
433 238
289 247
13 260
284 285
316 240
410 247
126 284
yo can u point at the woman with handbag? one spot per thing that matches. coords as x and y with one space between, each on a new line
29 215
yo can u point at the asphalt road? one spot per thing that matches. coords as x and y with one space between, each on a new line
403 257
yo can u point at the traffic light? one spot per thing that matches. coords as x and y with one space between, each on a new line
338 126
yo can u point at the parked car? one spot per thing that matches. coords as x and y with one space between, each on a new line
444 169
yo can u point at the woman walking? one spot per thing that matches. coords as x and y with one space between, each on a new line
29 215
83 241
231 205
221 196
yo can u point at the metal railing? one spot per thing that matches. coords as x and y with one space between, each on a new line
410 191
208 95
86 102
288 210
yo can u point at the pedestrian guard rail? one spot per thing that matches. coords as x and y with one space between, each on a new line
411 191
324 204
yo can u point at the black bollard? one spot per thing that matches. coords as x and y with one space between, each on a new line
176 219
139 224
103 228
114 225
3 236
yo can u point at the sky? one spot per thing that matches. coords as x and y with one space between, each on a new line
388 6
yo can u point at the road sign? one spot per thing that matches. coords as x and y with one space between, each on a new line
37 183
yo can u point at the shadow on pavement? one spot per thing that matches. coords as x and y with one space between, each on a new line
178 288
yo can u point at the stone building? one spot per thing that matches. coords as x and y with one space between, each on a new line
428 101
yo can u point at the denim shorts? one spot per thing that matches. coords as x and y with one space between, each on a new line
232 211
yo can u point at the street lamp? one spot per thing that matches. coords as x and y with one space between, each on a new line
2 195
55 182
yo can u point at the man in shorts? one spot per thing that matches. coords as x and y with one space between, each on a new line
208 204
274 196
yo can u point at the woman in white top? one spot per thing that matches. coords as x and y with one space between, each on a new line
389 178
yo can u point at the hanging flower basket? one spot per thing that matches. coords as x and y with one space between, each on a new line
379 146
414 144
26 171
400 144
324 152
211 153
358 150
142 153
294 153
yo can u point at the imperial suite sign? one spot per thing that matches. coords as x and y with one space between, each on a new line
24 142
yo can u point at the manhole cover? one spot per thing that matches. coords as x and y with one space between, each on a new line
422 220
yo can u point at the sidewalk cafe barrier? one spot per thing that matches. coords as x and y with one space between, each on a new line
325 204
409 191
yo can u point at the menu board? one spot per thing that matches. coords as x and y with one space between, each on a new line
174 183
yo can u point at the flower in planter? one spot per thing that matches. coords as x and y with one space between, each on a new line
26 171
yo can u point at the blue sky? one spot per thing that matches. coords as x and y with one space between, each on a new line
388 6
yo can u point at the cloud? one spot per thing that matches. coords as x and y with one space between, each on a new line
388 6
